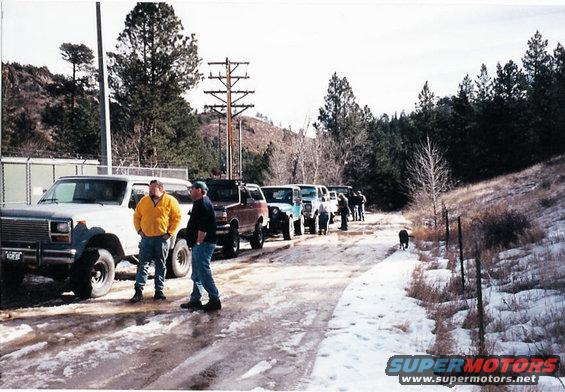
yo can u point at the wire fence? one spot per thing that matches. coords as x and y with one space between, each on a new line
23 180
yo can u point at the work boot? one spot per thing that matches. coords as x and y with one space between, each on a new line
213 304
192 305
159 295
138 296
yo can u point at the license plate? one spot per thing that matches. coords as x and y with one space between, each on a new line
13 256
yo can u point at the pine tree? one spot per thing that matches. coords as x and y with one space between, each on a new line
537 66
154 64
558 99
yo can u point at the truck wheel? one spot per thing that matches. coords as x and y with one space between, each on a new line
288 229
230 247
299 226
314 225
93 274
258 238
179 260
12 276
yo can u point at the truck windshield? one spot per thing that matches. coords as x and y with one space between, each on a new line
219 193
278 195
89 191
308 192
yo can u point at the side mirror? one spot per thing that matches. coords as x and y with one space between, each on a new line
249 200
131 203
298 200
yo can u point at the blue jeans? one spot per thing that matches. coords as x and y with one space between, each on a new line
152 249
201 273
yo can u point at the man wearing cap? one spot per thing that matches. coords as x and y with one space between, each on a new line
156 218
201 237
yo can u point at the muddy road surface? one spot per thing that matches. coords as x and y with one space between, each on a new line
277 302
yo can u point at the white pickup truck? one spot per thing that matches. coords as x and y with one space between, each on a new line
81 228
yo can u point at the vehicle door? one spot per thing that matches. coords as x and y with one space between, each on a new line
297 203
247 221
181 192
260 207
131 238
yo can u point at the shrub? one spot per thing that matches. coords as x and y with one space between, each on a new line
501 227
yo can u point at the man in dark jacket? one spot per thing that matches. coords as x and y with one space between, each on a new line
201 237
343 206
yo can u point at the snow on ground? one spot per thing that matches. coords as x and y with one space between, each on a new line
373 320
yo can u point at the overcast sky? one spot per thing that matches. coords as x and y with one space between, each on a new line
387 50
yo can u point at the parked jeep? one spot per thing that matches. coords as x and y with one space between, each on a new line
81 228
311 195
285 210
241 211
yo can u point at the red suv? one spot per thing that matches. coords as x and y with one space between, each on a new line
241 211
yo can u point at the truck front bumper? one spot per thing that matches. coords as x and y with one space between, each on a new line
37 255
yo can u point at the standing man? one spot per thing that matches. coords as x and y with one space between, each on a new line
353 202
343 206
156 219
201 237
362 201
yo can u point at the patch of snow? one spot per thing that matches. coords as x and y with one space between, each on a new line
10 334
24 351
259 368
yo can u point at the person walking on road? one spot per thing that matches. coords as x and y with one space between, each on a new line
156 218
343 207
324 216
201 237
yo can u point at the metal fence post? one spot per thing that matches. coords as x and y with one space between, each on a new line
446 229
461 255
480 308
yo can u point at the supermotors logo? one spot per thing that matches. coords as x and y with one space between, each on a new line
479 370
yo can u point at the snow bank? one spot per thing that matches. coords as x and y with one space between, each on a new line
373 320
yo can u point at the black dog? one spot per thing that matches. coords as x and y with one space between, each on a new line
403 236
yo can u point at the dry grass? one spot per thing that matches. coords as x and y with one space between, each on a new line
404 327
420 289
424 233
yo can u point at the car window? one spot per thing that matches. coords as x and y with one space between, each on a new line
137 193
295 194
280 195
222 193
86 191
256 193
180 192
308 192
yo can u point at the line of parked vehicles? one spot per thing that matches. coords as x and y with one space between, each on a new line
82 227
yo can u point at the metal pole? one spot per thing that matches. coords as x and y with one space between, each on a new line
240 154
446 229
461 255
104 102
480 308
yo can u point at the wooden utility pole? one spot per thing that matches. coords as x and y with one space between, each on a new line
229 106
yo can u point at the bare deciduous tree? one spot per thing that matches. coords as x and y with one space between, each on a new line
429 176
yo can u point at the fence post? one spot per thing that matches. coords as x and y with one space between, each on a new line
480 308
461 255
28 182
446 229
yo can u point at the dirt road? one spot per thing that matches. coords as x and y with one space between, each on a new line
277 304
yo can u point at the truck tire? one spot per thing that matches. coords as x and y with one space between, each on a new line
12 277
258 238
299 226
314 225
93 274
230 247
288 229
179 260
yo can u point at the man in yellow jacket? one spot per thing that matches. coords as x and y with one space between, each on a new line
156 218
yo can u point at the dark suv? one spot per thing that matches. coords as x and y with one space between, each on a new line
241 211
